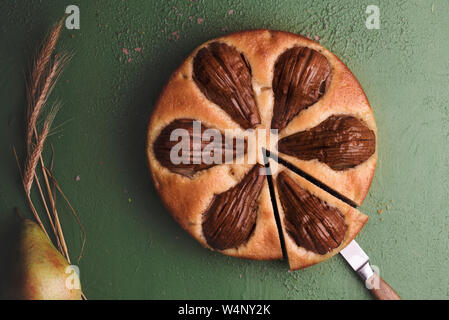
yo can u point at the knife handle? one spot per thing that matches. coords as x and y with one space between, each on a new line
380 289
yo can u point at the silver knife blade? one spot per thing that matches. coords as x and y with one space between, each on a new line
357 259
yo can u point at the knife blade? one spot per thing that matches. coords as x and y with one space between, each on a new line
358 260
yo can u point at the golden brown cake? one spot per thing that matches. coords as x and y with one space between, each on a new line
254 80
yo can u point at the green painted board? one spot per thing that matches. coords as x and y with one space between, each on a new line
135 249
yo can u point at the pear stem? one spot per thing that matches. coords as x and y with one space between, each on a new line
19 213
36 215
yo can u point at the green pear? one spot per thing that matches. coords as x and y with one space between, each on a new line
42 273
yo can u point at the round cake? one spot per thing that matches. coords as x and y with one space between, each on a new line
208 169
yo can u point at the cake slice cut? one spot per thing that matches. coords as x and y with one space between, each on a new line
315 225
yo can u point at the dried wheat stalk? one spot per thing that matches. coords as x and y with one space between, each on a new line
36 151
40 65
46 70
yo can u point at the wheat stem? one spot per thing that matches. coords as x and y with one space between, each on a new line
59 233
41 193
58 187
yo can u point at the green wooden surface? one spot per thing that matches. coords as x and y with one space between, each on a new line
134 248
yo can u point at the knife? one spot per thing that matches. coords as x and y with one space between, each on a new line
359 261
